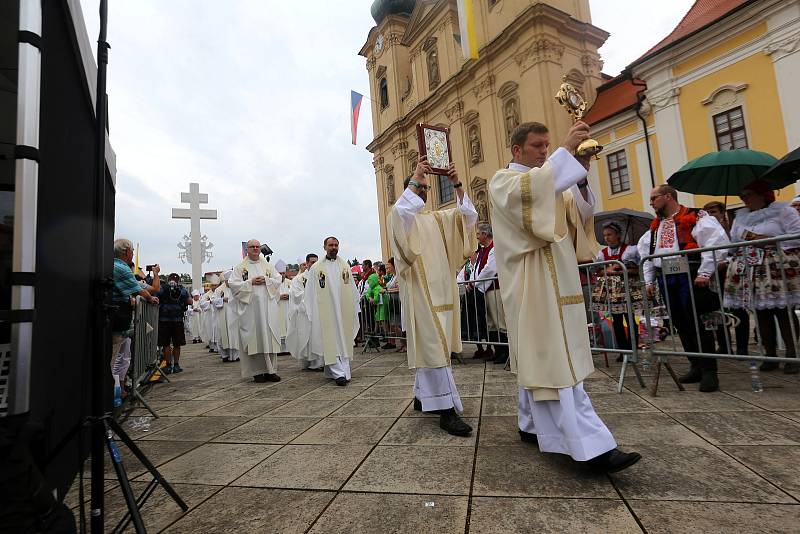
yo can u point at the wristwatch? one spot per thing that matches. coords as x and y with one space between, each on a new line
456 186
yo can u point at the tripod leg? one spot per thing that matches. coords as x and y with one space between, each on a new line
144 402
146 462
122 477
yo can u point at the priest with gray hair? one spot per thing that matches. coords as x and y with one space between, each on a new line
255 284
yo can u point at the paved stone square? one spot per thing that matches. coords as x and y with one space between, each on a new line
304 455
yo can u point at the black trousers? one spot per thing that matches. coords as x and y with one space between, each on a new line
769 337
686 318
618 321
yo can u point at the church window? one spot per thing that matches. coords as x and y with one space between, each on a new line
618 172
384 93
729 129
446 191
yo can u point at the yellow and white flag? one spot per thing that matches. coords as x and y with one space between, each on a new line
466 24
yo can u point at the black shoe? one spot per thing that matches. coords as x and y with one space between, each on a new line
271 377
318 369
791 368
527 437
417 405
388 346
613 461
260 379
341 381
450 422
709 382
768 366
620 359
692 377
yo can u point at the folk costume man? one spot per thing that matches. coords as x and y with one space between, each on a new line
429 248
299 333
331 302
677 227
255 284
539 205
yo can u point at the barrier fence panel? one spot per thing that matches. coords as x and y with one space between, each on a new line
612 297
482 318
755 282
145 354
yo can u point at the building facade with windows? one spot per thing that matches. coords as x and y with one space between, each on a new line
417 74
726 77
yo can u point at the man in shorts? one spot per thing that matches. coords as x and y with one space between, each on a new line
173 301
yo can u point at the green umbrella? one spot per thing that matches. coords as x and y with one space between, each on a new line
721 173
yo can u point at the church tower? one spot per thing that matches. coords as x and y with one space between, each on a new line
417 74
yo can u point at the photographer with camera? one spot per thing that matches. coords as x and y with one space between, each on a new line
173 301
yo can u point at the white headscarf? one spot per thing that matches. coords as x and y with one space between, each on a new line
195 293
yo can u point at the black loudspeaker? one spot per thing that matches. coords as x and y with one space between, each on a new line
47 77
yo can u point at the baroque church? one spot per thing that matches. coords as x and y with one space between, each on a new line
417 74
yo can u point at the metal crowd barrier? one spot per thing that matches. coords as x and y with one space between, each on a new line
602 283
710 319
382 328
144 351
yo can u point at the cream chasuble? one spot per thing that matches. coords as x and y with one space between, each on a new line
331 302
205 317
231 317
283 323
222 319
195 319
299 331
536 260
429 249
257 306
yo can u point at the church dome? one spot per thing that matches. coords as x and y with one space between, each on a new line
381 8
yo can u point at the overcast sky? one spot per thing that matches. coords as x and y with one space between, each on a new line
250 98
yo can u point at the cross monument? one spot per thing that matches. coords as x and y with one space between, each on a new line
194 198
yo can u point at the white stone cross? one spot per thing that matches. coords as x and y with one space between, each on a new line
194 198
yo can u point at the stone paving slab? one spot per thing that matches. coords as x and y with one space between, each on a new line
511 515
304 455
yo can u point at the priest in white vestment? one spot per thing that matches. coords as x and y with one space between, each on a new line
298 334
429 248
542 217
195 317
205 317
331 301
255 285
228 320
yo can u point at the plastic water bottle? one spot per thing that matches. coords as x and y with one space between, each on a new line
755 380
117 392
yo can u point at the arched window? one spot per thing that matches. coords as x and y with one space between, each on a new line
384 92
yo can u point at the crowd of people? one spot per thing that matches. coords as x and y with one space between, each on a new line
515 291
737 281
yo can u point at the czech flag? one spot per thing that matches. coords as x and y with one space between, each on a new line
466 24
355 107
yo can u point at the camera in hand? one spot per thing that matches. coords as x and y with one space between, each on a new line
266 251
149 267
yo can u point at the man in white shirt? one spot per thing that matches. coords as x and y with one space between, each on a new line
486 269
